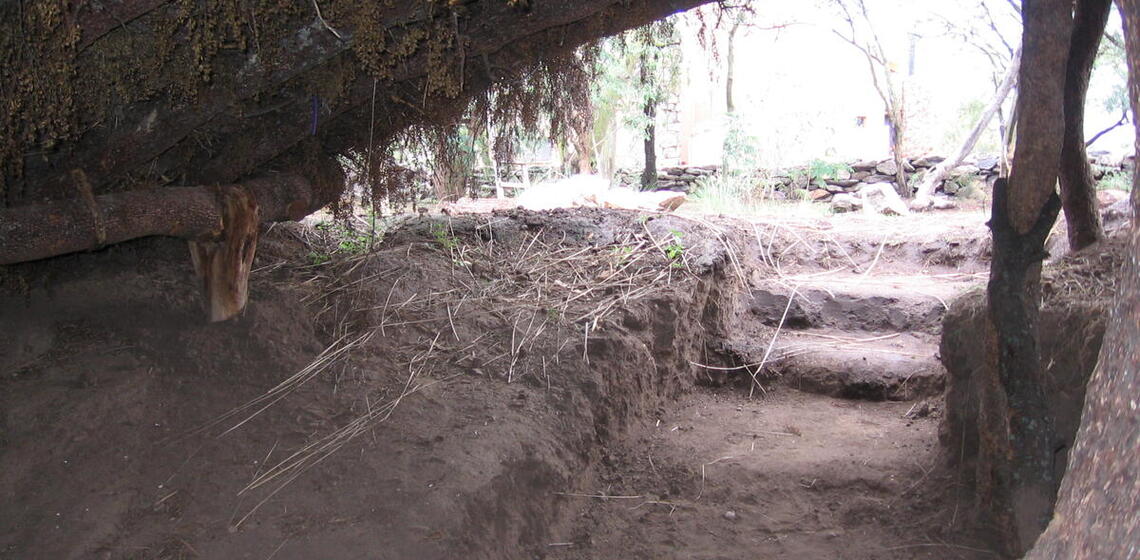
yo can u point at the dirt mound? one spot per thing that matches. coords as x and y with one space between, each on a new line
1077 294
427 400
447 394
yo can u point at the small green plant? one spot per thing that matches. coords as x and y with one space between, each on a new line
621 254
553 314
1118 180
819 171
443 237
348 241
318 258
675 249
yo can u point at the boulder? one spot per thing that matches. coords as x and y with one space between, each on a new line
879 179
942 203
966 169
842 183
988 163
1108 197
845 202
864 166
860 175
887 167
819 194
880 198
928 161
1105 158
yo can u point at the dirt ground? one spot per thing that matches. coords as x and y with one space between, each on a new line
566 384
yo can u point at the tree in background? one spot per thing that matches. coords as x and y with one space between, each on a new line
652 55
859 32
1110 65
984 32
1078 189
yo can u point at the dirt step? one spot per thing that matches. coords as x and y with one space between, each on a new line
853 365
854 302
804 476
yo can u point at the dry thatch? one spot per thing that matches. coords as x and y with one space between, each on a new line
148 93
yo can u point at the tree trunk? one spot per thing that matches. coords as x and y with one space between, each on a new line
1098 508
1078 192
922 198
649 173
583 135
1016 439
897 118
1009 139
730 69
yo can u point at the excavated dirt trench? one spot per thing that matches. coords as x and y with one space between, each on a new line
514 385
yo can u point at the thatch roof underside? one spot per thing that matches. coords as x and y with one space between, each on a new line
140 94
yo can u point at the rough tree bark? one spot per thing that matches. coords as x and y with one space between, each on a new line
1078 192
649 173
922 197
1016 439
1098 508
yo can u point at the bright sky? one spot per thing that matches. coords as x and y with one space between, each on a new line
802 88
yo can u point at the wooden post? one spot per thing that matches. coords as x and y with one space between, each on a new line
223 265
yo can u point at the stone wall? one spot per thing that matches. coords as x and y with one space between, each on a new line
965 180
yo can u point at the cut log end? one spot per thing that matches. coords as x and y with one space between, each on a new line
223 265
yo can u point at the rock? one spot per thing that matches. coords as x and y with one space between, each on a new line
801 194
928 161
964 170
819 194
730 515
845 202
860 175
1116 214
887 167
880 198
942 203
972 191
1105 158
864 165
880 179
1108 197
988 163
777 195
699 171
843 183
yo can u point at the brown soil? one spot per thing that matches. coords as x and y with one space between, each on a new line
792 475
466 380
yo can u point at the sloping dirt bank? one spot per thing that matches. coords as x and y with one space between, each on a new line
427 401
470 386
1078 292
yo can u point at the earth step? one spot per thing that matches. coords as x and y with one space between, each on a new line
856 303
852 364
